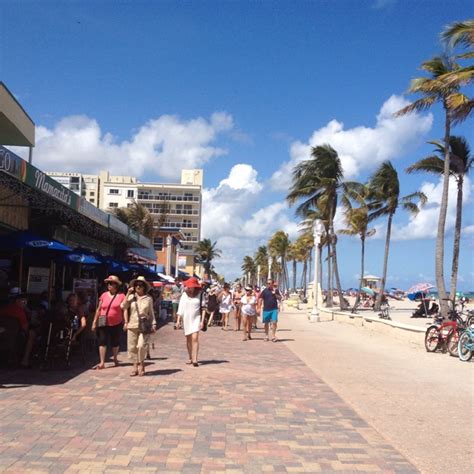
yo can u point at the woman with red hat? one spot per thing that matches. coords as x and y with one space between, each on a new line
190 313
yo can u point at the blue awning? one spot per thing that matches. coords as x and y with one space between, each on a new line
25 239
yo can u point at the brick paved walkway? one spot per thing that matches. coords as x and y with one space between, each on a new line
250 407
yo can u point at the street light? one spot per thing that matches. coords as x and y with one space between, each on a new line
318 229
269 268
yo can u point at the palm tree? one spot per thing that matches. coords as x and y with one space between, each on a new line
435 89
249 268
206 252
278 246
293 256
137 217
317 183
261 259
461 162
454 35
384 189
357 220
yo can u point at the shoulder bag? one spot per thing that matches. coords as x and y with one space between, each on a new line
144 323
102 320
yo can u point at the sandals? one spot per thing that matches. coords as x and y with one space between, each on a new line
134 373
99 367
274 339
141 371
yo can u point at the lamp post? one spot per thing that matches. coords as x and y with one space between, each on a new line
258 275
176 270
269 268
318 229
169 241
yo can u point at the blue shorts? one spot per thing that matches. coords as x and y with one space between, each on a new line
270 316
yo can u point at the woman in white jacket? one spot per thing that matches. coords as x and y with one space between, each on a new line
191 314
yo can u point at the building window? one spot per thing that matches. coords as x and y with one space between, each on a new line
92 201
158 243
74 179
113 191
92 193
113 204
130 193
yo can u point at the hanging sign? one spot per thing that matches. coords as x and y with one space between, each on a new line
38 280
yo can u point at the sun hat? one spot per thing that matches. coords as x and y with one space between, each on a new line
192 282
140 279
113 279
248 288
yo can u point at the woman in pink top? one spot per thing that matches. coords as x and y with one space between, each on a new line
109 308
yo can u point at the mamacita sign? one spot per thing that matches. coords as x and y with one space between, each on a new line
51 187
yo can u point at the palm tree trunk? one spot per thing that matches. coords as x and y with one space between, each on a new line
443 208
457 238
362 259
329 300
294 276
305 275
319 277
342 303
378 301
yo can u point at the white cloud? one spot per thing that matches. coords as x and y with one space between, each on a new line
425 224
231 216
163 146
361 148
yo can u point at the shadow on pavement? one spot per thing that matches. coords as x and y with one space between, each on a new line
162 372
213 361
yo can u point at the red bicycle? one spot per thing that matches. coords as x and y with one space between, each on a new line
444 334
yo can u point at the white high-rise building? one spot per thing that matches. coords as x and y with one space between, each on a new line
181 203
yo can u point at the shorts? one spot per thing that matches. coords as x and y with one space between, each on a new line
270 316
175 306
109 333
245 315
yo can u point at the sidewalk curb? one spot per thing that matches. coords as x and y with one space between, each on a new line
401 331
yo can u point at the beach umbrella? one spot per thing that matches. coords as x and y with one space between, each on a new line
25 240
421 288
368 290
83 258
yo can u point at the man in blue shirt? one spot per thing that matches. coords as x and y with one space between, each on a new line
269 297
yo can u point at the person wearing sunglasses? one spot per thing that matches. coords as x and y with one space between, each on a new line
108 320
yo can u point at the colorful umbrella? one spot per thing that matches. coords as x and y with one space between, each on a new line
421 288
25 240
368 290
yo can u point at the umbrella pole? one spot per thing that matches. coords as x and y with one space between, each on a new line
50 282
20 270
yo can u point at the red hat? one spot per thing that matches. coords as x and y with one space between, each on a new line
192 282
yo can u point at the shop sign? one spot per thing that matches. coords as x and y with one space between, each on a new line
38 280
41 181
181 262
11 164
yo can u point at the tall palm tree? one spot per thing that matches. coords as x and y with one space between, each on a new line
303 247
293 256
384 201
434 89
261 258
461 162
137 217
459 33
249 268
357 220
206 252
317 183
278 246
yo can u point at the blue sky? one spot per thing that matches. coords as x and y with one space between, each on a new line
244 85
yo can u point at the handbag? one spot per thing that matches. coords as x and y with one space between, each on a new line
144 324
102 320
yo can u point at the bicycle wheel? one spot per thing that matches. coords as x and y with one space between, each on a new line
452 342
432 338
464 353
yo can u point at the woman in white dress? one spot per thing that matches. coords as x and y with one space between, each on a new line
190 313
249 311
225 305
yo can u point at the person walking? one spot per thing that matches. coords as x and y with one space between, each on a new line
225 305
211 304
108 320
237 301
191 314
140 323
269 297
249 311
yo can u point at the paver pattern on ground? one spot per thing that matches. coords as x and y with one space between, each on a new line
250 407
